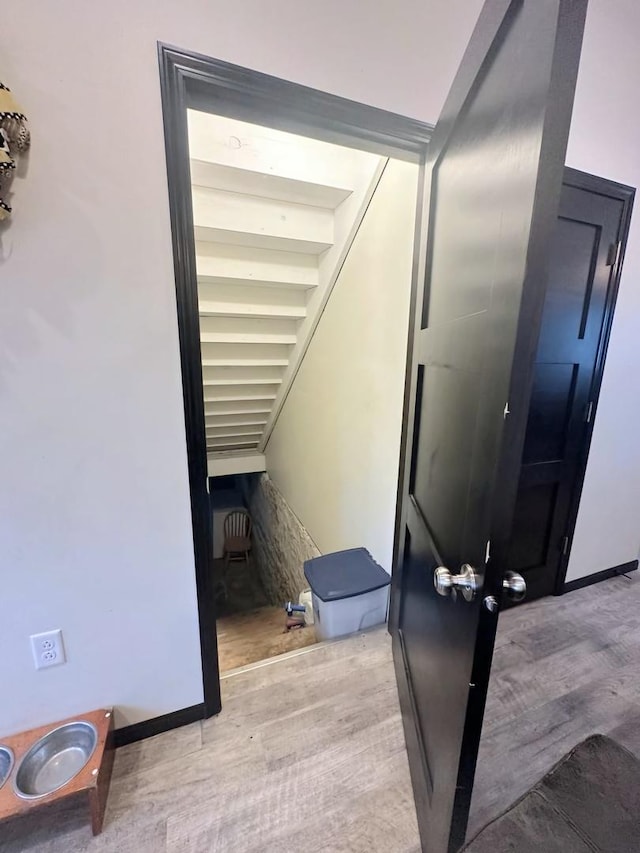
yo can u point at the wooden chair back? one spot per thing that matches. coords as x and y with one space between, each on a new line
237 523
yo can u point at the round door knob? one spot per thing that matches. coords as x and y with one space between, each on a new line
514 586
447 584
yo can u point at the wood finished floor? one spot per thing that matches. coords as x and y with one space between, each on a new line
308 752
245 638
564 668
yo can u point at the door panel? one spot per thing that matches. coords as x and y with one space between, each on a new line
493 185
441 473
552 400
581 274
532 526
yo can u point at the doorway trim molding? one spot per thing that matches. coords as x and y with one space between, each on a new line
190 80
625 194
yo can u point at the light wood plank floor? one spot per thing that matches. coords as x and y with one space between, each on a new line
308 752
564 668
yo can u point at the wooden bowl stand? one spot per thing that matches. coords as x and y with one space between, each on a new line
91 782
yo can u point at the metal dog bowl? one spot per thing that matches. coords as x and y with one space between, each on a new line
55 759
6 764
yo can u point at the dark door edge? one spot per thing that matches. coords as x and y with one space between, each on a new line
158 725
191 80
625 194
604 575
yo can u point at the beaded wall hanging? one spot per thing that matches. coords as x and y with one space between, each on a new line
14 138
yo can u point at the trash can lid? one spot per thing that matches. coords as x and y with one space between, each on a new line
344 574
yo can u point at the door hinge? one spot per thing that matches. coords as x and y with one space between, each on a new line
565 546
487 553
507 411
614 253
589 412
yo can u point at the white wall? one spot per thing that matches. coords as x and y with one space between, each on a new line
95 534
94 516
605 139
334 452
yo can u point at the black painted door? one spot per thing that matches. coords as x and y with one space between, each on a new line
579 299
492 192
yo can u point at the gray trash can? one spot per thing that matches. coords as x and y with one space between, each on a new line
350 592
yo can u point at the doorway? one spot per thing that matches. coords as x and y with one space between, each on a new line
585 263
539 549
198 84
304 256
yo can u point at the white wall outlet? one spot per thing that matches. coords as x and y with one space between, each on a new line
47 648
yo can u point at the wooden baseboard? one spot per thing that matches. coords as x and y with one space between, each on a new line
157 725
580 583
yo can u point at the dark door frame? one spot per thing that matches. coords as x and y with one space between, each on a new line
190 80
625 194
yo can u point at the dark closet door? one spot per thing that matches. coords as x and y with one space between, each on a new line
493 181
583 256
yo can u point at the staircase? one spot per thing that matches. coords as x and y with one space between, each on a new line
274 216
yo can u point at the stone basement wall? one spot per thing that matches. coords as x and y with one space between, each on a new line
281 544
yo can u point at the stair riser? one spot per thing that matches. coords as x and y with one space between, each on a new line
226 217
214 393
250 295
239 407
244 355
250 182
216 261
241 145
246 435
252 311
235 421
241 375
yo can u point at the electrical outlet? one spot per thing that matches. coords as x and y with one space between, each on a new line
47 648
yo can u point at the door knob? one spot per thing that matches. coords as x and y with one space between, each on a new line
491 603
514 586
447 584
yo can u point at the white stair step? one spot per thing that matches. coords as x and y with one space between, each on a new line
235 462
244 355
217 418
217 262
204 173
248 330
238 407
263 240
217 454
245 362
235 337
243 145
247 434
241 376
214 441
235 421
252 380
226 443
208 308
213 393
241 293
236 410
249 443
223 217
